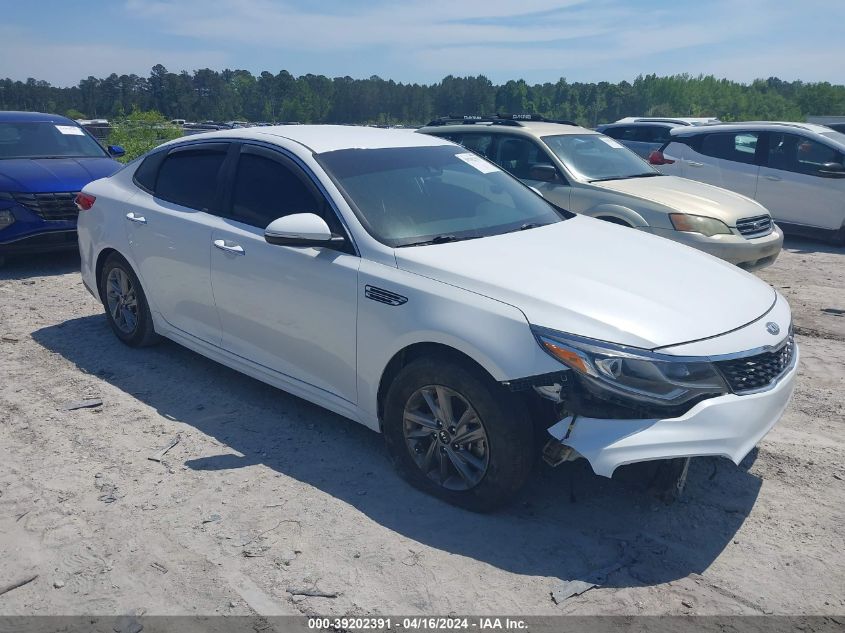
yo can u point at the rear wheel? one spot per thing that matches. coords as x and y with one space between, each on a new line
454 432
126 304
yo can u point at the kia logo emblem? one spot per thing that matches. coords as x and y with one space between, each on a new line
772 328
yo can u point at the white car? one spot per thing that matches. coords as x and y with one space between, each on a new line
795 170
586 172
408 284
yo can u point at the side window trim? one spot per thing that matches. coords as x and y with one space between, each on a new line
301 171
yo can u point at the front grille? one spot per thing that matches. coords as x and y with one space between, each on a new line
49 206
758 226
750 373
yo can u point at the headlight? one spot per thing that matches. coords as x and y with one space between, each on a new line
6 219
698 224
632 372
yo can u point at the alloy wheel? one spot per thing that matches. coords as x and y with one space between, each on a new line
122 300
446 437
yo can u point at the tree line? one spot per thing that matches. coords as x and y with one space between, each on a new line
239 95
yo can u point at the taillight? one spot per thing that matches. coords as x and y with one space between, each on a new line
84 201
657 158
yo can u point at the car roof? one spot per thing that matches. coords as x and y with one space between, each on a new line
650 123
526 128
755 126
327 138
680 120
8 116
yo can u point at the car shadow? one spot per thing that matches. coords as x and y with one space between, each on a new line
18 267
568 524
804 245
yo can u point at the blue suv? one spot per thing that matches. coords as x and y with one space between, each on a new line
45 160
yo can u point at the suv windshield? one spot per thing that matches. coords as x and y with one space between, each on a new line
597 157
43 139
409 196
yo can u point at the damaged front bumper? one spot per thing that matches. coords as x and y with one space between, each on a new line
728 426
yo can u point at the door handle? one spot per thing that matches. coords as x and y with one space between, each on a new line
775 178
137 219
692 163
236 249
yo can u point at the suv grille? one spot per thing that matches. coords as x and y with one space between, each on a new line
49 206
761 370
758 226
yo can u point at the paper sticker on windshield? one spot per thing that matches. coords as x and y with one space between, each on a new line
71 130
479 163
611 142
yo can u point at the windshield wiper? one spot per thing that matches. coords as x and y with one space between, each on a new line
439 239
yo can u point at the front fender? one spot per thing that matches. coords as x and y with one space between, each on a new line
618 211
494 334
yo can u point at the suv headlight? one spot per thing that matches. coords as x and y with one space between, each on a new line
634 373
698 224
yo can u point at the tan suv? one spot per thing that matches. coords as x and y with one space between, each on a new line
592 174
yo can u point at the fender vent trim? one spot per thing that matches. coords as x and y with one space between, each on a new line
384 296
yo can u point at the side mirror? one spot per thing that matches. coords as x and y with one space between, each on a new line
300 229
832 170
116 151
543 172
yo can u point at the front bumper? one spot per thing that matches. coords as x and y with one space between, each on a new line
728 426
749 254
43 242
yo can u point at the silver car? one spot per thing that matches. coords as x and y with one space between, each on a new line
592 174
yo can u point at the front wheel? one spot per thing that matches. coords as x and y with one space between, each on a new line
454 432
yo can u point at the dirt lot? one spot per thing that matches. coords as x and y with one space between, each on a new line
266 493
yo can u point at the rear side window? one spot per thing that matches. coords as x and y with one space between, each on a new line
265 190
189 178
738 147
145 175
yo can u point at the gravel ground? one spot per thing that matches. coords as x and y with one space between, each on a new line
266 495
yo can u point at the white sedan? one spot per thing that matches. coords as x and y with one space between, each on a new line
416 288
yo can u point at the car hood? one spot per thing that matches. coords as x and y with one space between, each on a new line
602 281
46 175
688 196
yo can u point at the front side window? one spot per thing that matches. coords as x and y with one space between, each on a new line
518 155
413 195
791 152
44 139
265 190
738 147
189 178
596 157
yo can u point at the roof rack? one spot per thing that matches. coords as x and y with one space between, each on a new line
496 119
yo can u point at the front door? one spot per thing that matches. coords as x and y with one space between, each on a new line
791 187
290 309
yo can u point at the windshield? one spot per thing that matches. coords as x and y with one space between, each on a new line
597 157
42 139
839 137
409 196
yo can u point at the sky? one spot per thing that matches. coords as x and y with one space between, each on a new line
63 41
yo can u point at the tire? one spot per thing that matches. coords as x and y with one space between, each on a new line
496 461
137 332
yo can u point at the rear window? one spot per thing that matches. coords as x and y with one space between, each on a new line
189 178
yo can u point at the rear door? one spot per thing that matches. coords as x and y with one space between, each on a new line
290 309
792 188
169 231
726 159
